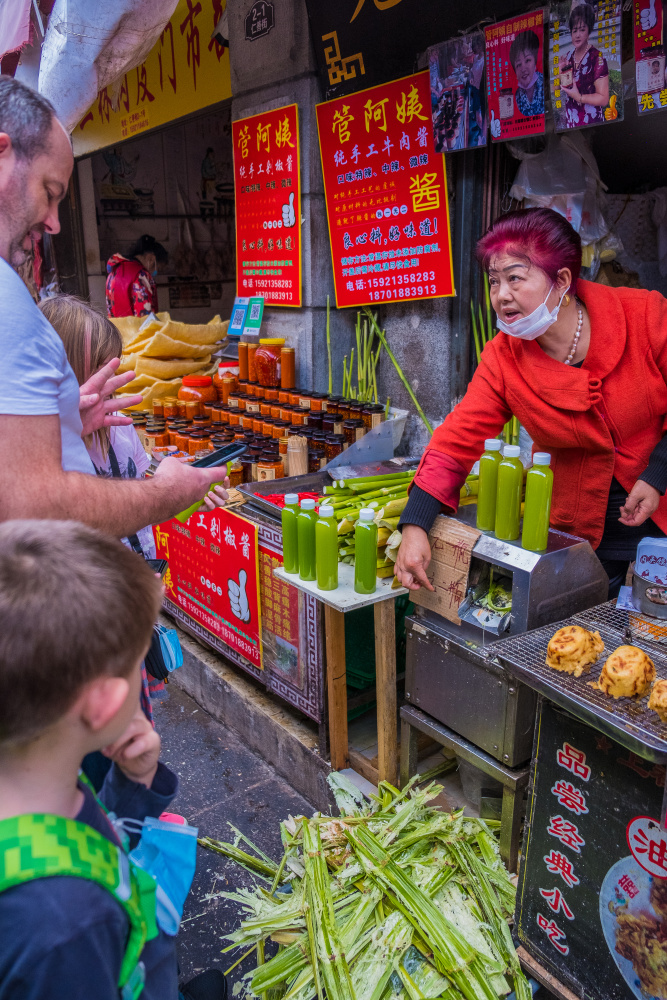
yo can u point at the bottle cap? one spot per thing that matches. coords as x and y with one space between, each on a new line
291 498
511 451
541 458
326 510
307 504
366 514
492 444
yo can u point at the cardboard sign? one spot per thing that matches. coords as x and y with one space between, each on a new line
451 550
594 868
386 194
213 575
648 21
267 190
585 58
515 81
458 95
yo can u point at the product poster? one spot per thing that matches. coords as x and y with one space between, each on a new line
213 575
515 78
458 93
267 191
585 63
649 55
592 891
386 193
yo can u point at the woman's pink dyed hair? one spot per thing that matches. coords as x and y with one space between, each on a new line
540 236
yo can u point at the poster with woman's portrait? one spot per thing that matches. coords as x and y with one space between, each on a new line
649 20
515 78
585 63
458 93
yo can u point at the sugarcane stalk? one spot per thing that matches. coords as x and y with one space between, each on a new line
329 349
478 349
389 477
398 368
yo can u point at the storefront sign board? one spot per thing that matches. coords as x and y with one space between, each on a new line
591 62
185 71
648 22
458 95
267 188
386 194
593 879
213 575
514 76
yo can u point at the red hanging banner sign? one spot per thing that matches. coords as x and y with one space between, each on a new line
515 81
386 194
213 575
649 55
267 190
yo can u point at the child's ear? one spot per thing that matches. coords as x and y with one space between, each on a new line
102 700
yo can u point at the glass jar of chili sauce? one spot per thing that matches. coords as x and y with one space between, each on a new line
267 361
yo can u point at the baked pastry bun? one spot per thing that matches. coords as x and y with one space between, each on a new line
626 673
573 649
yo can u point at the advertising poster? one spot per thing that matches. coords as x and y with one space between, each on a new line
458 93
280 620
386 193
213 575
593 877
585 63
515 78
649 19
267 190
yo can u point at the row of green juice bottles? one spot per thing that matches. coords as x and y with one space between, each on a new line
310 545
499 496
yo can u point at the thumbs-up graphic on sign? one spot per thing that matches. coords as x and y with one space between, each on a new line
288 213
495 126
238 598
648 17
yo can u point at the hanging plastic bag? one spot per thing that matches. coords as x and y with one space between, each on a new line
168 852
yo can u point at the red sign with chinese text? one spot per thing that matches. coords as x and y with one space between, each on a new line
386 194
515 81
649 55
213 575
267 189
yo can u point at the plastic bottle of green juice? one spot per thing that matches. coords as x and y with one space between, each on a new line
365 552
488 485
290 542
539 484
508 498
326 549
305 520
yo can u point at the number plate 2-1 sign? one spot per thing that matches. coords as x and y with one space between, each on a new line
213 575
268 206
386 194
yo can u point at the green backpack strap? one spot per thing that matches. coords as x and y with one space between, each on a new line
39 845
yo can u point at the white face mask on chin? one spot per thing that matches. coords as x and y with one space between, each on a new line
535 324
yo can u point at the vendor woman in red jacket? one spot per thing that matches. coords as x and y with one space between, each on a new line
131 288
584 368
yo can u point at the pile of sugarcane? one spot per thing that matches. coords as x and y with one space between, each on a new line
393 900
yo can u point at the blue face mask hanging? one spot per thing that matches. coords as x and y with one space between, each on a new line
168 852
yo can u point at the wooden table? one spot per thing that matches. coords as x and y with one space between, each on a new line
336 604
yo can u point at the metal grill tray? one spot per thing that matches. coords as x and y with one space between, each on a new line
626 720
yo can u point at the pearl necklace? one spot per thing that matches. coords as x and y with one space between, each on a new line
577 334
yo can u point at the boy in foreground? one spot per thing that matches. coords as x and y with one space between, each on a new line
76 616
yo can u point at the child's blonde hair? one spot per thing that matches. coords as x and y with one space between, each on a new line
90 339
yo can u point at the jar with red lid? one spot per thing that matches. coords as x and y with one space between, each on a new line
270 394
267 360
198 387
252 370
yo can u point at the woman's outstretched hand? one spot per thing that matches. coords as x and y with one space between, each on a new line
642 502
414 556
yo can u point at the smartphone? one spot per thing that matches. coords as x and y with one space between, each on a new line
221 456
158 566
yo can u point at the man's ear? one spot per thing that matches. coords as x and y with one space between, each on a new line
101 700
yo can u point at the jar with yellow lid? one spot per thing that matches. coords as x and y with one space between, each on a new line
267 361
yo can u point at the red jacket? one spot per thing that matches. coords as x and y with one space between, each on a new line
599 421
131 290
